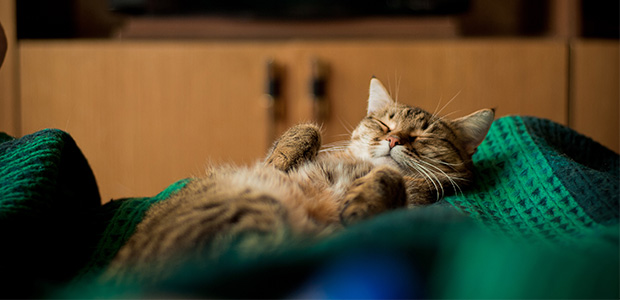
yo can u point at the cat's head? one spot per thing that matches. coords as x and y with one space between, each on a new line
414 140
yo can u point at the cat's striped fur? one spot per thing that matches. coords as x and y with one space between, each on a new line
398 156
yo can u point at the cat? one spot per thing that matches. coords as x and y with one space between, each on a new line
398 156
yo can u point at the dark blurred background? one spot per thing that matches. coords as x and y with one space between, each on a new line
60 19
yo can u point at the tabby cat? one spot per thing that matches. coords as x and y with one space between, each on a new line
397 156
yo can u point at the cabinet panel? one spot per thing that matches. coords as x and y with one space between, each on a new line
527 77
149 113
595 91
146 114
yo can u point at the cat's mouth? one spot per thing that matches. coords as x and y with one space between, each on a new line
388 156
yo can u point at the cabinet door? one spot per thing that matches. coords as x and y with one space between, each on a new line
527 77
595 91
146 114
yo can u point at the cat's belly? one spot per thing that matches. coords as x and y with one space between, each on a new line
310 204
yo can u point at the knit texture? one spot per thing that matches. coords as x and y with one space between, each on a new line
47 191
121 218
42 171
538 180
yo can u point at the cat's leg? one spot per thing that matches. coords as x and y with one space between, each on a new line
297 145
381 189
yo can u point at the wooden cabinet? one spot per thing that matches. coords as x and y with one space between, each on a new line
595 93
514 76
149 113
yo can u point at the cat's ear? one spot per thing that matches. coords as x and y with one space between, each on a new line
473 128
378 97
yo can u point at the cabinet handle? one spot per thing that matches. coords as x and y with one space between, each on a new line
318 90
273 90
274 103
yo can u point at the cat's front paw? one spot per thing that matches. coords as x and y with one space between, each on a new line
380 190
297 145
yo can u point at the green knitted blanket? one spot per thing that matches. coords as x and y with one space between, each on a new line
539 180
47 192
541 221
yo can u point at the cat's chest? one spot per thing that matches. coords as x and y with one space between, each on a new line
330 173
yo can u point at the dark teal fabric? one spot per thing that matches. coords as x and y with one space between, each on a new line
433 252
538 180
47 191
120 218
43 171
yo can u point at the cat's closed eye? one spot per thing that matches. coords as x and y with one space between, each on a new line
384 127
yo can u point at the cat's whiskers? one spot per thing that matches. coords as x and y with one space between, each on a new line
436 114
427 175
390 86
424 172
346 125
394 92
397 88
335 146
455 186
338 142
341 135
343 144
432 172
443 162
436 179
442 118
447 164
449 114
333 149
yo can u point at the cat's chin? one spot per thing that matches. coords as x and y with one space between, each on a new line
384 160
387 156
383 156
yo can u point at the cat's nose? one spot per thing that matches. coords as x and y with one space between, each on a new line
393 140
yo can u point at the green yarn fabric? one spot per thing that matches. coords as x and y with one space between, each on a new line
42 171
541 181
47 189
52 225
539 221
120 218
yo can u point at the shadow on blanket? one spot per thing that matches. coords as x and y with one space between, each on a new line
541 221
